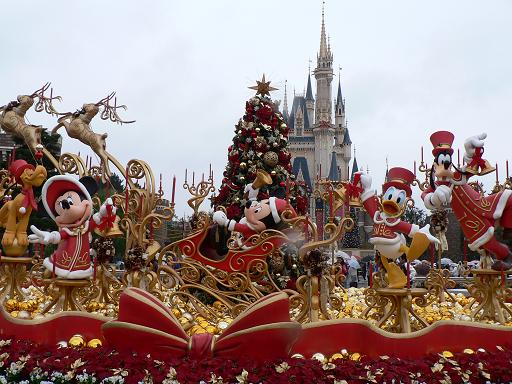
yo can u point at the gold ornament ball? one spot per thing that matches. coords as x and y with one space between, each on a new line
273 173
319 356
469 351
204 323
447 354
355 356
94 343
176 312
336 356
283 126
14 313
23 306
11 305
77 341
211 329
242 178
243 165
257 129
270 158
297 356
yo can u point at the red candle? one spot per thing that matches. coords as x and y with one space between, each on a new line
173 189
422 153
331 213
414 168
185 175
432 255
408 275
465 245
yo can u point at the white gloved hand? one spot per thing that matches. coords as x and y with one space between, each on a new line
252 192
426 231
103 208
366 181
43 237
471 144
220 218
440 198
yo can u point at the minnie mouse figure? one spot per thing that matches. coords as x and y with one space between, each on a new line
68 202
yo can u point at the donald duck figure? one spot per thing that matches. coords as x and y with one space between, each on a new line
388 228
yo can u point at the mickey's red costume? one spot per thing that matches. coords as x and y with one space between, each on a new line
68 202
476 214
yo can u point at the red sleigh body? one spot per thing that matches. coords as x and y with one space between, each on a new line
257 247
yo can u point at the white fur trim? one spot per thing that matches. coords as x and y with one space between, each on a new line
367 194
379 219
273 209
414 228
385 240
97 218
66 274
231 225
505 195
482 239
57 178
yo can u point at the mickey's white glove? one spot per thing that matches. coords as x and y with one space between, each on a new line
220 218
438 199
102 213
471 144
426 231
252 192
43 237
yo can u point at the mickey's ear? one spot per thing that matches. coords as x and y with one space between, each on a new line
90 184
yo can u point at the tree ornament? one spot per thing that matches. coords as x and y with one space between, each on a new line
243 165
273 173
77 341
270 159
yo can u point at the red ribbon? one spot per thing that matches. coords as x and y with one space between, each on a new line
108 220
353 190
28 199
477 159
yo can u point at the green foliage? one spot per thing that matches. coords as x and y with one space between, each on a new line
352 238
415 215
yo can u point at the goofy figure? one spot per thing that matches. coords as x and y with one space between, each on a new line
476 214
388 228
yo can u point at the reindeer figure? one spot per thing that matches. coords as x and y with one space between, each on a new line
12 116
77 126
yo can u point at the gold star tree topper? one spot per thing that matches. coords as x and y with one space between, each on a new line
263 87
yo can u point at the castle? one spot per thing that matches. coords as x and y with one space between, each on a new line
320 148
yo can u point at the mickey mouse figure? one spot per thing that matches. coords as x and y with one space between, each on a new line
258 215
68 202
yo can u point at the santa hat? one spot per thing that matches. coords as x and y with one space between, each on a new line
400 178
56 186
18 167
442 142
278 206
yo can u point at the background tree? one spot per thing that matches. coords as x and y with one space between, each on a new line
415 215
352 238
260 142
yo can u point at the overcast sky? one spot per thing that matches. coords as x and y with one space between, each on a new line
183 68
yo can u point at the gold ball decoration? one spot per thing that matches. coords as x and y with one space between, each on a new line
355 356
273 173
297 356
242 178
257 129
336 356
270 158
447 354
469 351
11 305
344 353
94 343
243 165
76 341
14 313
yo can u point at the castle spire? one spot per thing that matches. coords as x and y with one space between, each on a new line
323 40
285 102
309 91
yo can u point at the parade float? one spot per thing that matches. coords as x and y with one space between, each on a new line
249 295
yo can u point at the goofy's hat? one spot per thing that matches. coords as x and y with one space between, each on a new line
442 142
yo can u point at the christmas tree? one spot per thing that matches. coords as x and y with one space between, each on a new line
260 143
352 238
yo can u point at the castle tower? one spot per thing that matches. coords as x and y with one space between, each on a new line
310 101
